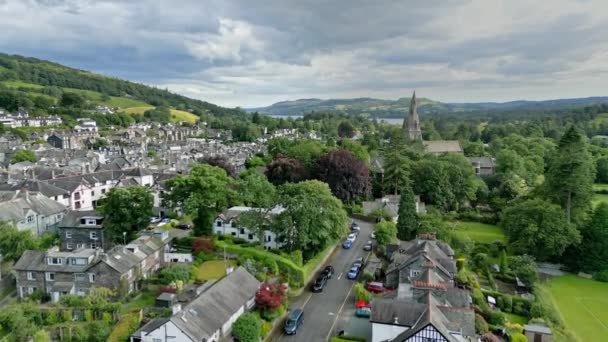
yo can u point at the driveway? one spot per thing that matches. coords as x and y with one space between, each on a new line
322 310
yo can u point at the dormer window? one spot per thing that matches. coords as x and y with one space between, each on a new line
55 261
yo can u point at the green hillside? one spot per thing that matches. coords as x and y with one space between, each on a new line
44 87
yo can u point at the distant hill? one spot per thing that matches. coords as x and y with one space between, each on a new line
30 81
397 108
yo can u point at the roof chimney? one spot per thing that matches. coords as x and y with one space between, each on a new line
395 320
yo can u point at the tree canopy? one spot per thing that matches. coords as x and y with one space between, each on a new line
348 177
407 222
24 155
126 210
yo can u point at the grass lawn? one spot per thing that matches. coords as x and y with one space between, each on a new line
214 269
480 232
582 303
21 84
599 198
599 186
513 318
143 300
176 115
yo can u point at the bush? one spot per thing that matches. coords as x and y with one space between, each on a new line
266 327
496 318
518 337
247 328
508 303
175 273
361 293
238 241
367 277
127 325
203 245
296 257
481 326
601 276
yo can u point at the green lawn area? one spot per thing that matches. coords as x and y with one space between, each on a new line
143 300
513 318
214 269
599 198
480 232
582 303
598 187
176 115
21 84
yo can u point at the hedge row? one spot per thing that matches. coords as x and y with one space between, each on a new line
294 274
511 304
127 325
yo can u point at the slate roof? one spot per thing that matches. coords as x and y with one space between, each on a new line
485 162
120 259
44 188
72 219
212 309
543 329
16 208
35 261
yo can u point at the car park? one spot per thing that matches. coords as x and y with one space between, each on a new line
368 246
293 322
319 284
353 272
328 271
347 244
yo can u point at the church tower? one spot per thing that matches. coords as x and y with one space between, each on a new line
411 124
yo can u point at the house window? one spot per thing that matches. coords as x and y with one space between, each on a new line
80 277
218 223
92 193
50 276
69 245
242 230
30 219
414 273
77 195
31 276
79 245
250 236
68 235
233 234
55 261
93 235
77 205
93 245
79 261
91 277
103 191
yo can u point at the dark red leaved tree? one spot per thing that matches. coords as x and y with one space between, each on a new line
270 296
347 177
283 170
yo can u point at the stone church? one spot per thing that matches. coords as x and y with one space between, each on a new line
412 130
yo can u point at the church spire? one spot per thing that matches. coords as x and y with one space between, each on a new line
412 122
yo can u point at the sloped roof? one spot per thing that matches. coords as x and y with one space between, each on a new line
120 259
212 309
442 146
15 208
44 188
72 219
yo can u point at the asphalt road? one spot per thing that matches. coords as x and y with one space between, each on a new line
322 310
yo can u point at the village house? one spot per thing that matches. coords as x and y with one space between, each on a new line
390 204
426 305
483 166
30 211
210 316
227 223
82 229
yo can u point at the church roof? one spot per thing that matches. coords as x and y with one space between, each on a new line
442 146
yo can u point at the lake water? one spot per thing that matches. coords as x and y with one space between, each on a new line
390 121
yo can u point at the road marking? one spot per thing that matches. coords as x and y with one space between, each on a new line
338 314
331 314
306 301
340 276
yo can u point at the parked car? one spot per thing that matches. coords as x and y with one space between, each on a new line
184 226
363 312
353 272
319 284
376 287
328 271
155 219
355 227
358 262
368 246
165 220
347 244
373 235
352 237
294 320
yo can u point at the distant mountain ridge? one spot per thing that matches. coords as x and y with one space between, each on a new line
397 108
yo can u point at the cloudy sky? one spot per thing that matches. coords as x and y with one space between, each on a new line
254 53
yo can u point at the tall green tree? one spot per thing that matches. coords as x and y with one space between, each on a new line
591 255
386 232
203 193
257 192
24 155
14 242
538 228
396 171
313 217
569 179
408 221
126 210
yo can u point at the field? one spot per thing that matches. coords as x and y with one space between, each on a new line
176 115
480 232
599 198
582 303
211 270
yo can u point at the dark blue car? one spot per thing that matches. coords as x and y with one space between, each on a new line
347 244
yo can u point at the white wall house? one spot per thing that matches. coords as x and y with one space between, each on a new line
34 212
178 257
227 224
385 332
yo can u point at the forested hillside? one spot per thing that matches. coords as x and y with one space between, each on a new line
40 87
